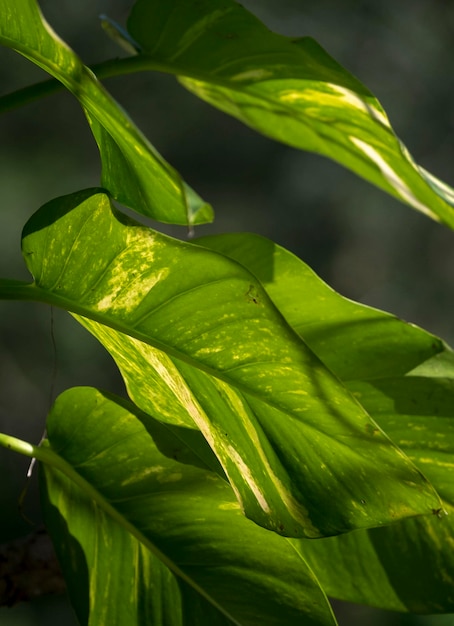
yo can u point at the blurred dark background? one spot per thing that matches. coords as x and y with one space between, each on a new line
363 243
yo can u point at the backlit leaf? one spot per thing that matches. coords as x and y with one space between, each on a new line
132 170
409 565
354 340
288 89
302 455
165 539
404 377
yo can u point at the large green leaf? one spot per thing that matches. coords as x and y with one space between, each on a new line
404 377
410 565
144 539
354 340
132 170
303 456
288 89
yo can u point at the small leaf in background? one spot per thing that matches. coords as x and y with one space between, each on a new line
288 89
404 377
287 433
167 538
132 170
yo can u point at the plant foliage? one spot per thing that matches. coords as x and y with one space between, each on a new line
268 416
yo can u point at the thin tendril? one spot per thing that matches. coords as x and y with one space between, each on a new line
53 381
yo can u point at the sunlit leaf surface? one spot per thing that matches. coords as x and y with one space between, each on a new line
288 89
165 538
132 170
355 341
303 456
404 377
409 565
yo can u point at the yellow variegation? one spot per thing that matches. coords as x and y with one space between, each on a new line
288 435
288 89
404 377
167 538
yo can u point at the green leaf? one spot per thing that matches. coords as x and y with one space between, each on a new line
354 340
132 170
144 539
410 565
303 456
404 377
288 89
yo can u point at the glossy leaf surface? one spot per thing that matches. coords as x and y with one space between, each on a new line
410 565
288 435
132 170
167 537
355 341
404 377
288 89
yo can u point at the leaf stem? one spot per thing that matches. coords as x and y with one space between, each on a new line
17 445
14 289
105 69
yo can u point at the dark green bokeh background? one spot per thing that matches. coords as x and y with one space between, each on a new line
362 242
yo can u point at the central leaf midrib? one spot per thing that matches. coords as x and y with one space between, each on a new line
40 295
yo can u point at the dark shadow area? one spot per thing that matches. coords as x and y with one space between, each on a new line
413 567
54 210
70 555
183 445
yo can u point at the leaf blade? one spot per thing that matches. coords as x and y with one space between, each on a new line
355 341
288 89
250 371
404 377
132 169
195 523
412 560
